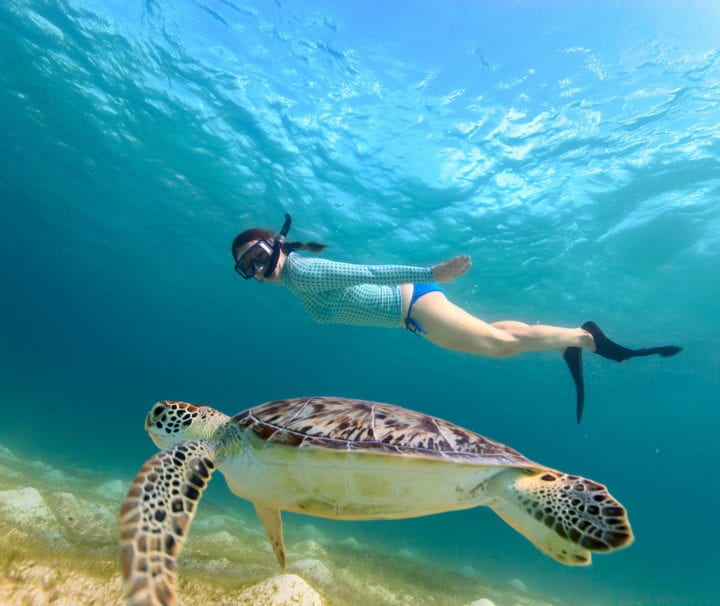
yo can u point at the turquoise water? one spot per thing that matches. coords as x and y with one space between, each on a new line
571 148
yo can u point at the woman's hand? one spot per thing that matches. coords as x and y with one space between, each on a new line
444 272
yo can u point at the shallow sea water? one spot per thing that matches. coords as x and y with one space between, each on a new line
571 148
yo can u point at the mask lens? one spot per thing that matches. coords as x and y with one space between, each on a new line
254 260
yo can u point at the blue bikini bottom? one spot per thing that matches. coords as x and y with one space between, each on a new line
418 291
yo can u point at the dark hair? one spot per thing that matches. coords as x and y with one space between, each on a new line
257 233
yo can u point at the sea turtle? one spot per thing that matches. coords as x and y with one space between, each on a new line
349 460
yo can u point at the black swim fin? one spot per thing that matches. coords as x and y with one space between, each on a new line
573 358
612 351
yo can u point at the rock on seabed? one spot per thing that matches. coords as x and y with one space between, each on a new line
26 508
282 590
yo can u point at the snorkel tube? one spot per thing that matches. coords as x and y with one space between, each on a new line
278 242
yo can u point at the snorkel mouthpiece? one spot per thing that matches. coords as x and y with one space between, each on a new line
278 242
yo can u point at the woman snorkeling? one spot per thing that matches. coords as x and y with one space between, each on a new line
392 296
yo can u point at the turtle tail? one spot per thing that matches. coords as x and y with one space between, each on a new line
155 519
566 517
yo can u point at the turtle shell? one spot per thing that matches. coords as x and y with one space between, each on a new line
359 425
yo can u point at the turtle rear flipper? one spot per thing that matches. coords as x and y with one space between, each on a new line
272 523
566 517
155 519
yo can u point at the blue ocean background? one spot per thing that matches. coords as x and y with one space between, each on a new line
571 148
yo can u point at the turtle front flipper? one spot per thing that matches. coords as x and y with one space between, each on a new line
566 517
155 519
272 523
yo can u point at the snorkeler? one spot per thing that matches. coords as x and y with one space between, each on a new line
392 296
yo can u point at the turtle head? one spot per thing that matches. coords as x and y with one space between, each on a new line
169 422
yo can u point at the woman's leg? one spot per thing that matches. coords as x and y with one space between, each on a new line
451 327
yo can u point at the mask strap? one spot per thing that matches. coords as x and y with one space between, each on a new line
278 242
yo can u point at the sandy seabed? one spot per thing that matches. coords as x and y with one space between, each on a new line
59 545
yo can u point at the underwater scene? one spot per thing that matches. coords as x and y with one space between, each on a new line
570 148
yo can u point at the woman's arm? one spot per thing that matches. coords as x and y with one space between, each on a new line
322 274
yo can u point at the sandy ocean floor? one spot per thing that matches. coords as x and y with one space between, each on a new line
59 545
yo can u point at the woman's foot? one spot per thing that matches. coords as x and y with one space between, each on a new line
612 351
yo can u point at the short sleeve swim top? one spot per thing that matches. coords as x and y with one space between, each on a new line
345 293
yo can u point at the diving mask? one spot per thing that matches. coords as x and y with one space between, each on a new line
263 255
255 259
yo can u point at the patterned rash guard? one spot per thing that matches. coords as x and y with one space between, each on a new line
344 293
